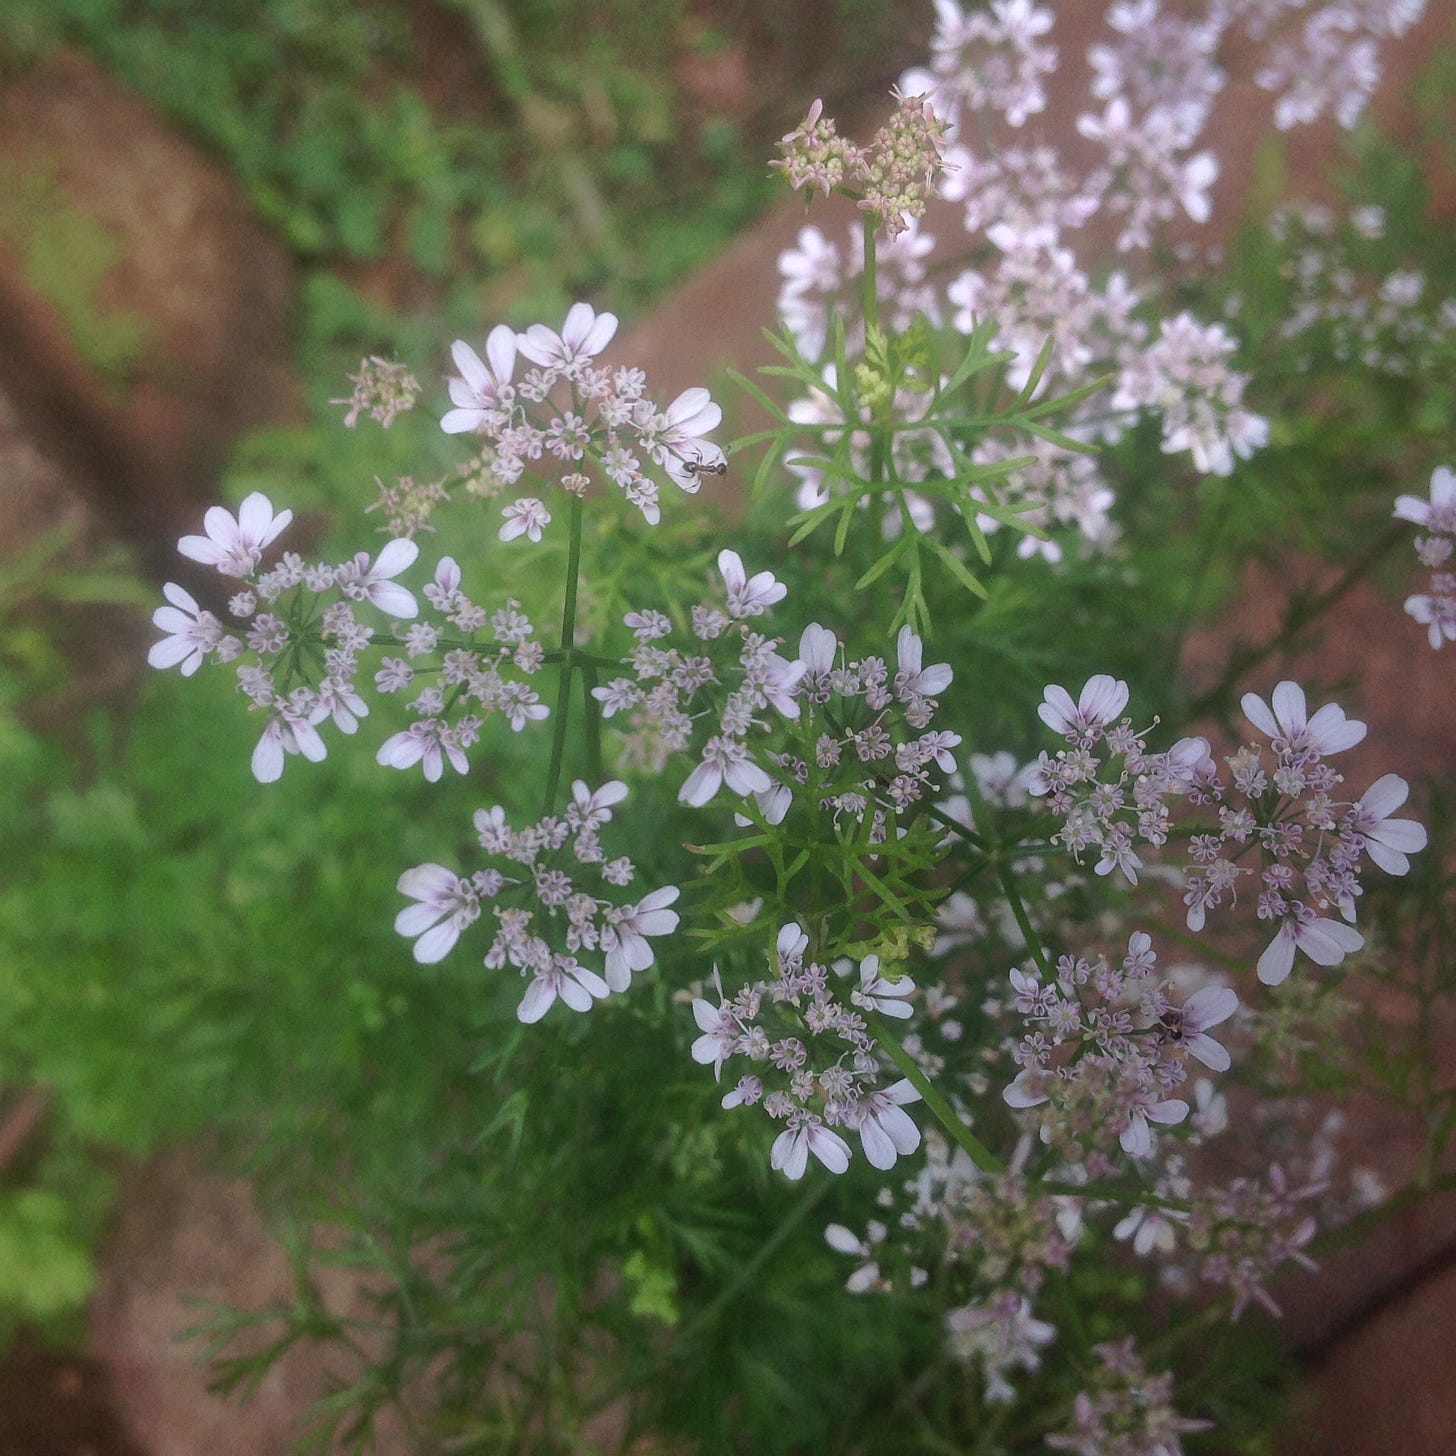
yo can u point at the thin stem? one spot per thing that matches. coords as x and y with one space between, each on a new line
568 659
871 299
1023 920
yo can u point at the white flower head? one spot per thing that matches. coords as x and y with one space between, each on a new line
748 596
525 517
1289 727
375 583
445 905
583 336
191 632
235 545
484 389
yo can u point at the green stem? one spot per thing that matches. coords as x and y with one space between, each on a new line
871 298
943 1112
1023 920
568 659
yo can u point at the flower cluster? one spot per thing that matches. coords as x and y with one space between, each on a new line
1157 78
1126 1411
383 390
1109 1046
1199 396
298 650
659 699
1112 795
987 61
865 741
605 423
1393 323
1435 609
1241 1233
894 176
817 1064
554 896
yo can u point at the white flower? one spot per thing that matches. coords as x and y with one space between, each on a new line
286 732
627 949
683 451
1325 942
913 680
583 336
1136 1138
1292 731
1026 1089
725 760
484 389
885 1132
719 1027
375 585
1205 1008
1438 513
191 632
748 596
524 517
1101 701
235 546
1387 841
446 905
818 650
792 1147
843 1241
563 981
875 993
591 809
428 742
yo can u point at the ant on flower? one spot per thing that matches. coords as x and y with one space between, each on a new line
698 466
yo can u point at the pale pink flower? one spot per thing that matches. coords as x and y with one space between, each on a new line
376 585
683 451
1189 1025
875 993
191 632
1325 942
885 1131
1291 730
1387 841
286 732
792 1147
913 680
484 389
1438 513
583 336
524 517
235 545
564 981
748 596
725 760
624 938
719 1027
428 742
1101 701
446 904
1137 1138
592 808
